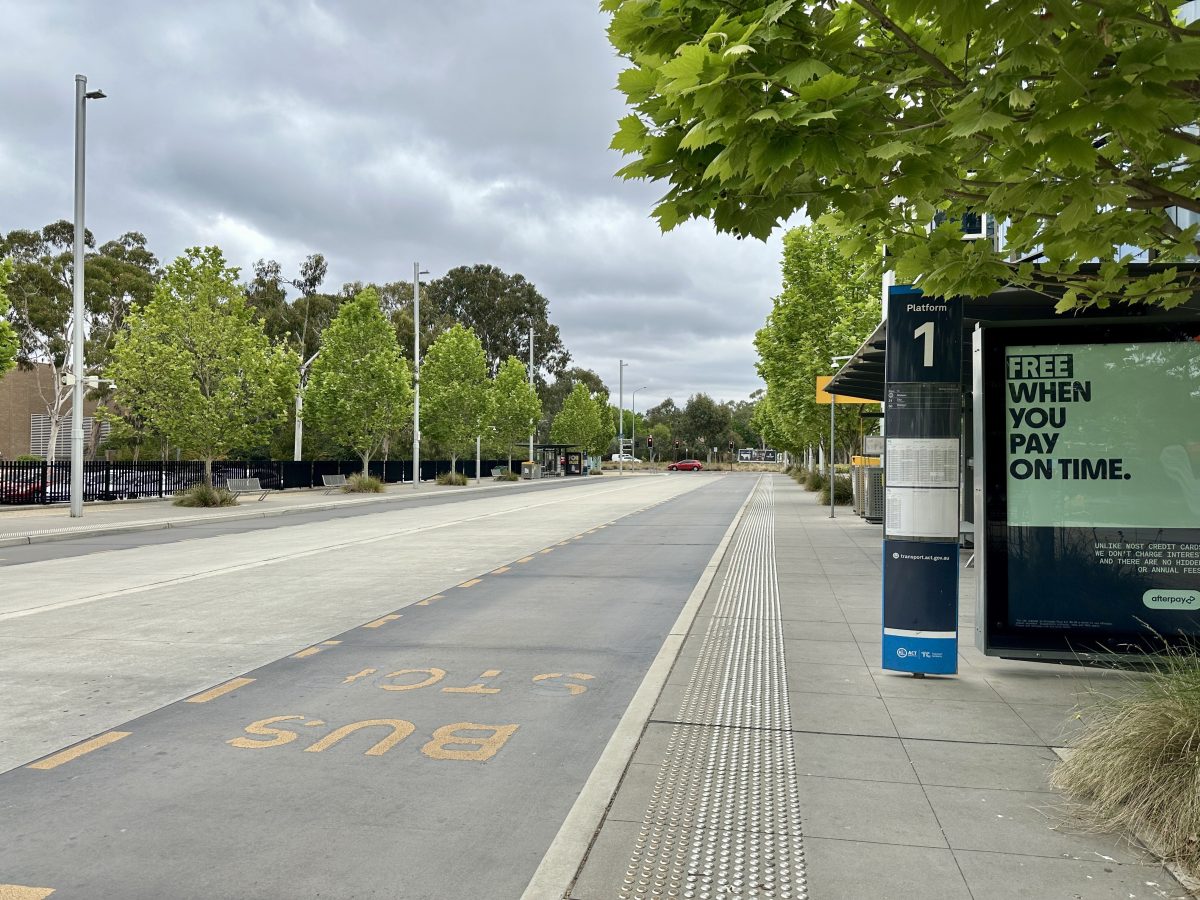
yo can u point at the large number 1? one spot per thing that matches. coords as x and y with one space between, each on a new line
926 331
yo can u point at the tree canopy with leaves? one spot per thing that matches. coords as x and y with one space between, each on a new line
360 388
8 337
456 396
584 421
1072 121
500 309
516 407
196 366
828 306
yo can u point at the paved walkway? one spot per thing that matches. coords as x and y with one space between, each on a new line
781 761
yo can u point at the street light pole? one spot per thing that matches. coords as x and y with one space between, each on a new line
77 336
621 418
835 363
633 426
416 450
532 425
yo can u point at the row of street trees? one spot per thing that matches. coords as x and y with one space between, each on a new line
828 304
196 368
295 310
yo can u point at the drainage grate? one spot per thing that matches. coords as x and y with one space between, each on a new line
723 820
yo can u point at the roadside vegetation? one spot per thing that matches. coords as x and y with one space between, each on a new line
205 495
452 478
1135 765
363 484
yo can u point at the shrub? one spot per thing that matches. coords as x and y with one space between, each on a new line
455 478
363 484
814 481
205 495
842 492
595 471
1135 764
28 457
509 476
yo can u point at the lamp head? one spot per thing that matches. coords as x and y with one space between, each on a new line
95 95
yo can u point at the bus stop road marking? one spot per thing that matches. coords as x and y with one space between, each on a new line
313 651
471 583
428 600
21 892
525 559
65 756
501 570
380 622
219 691
547 550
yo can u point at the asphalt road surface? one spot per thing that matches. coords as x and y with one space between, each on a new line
430 752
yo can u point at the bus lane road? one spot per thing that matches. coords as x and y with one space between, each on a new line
430 752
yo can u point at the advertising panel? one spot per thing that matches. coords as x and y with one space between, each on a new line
1093 487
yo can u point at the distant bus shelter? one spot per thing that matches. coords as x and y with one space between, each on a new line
560 459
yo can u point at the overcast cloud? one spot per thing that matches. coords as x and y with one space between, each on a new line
380 133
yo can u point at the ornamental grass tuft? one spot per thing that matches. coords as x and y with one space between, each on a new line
205 495
363 484
1135 765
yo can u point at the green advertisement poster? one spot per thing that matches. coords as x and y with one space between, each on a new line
1103 435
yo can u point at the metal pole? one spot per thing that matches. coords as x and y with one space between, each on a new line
832 407
621 418
634 425
532 425
416 450
77 305
477 459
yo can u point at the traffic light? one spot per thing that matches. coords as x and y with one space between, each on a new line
676 444
731 445
650 442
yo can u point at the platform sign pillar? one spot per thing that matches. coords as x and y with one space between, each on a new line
922 427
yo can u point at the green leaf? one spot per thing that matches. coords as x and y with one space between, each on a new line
828 86
800 73
630 136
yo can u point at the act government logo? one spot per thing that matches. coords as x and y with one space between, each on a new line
1160 598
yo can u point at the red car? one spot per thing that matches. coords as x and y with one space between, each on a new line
685 465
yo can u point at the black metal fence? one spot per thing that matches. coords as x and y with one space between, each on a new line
42 482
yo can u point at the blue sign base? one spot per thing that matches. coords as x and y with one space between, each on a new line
927 655
920 606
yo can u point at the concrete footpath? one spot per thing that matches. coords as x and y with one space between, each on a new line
31 525
781 761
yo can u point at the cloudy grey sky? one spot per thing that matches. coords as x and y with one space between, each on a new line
379 133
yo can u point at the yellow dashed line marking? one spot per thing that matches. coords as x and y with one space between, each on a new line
471 583
53 762
547 550
428 600
525 559
220 690
311 651
20 892
379 623
330 643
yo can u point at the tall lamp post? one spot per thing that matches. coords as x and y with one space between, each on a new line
633 425
82 95
416 454
621 418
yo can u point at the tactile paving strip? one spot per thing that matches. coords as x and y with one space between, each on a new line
723 821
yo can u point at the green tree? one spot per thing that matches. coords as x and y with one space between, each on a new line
584 421
121 273
828 305
500 309
1073 121
360 388
555 393
8 337
516 404
706 423
196 366
456 396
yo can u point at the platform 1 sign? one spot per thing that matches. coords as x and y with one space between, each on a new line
1092 467
922 428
